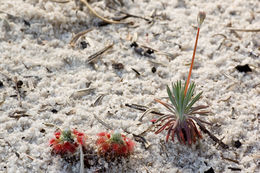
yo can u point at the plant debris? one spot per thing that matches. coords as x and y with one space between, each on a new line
118 66
78 35
234 169
137 72
243 68
153 69
210 170
98 53
237 144
142 51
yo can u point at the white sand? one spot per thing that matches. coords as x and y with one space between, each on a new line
45 45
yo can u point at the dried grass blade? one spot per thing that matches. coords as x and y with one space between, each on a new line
78 35
100 52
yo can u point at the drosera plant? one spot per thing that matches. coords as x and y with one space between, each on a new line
181 120
67 142
114 145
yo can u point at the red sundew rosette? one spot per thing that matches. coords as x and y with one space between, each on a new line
114 144
65 143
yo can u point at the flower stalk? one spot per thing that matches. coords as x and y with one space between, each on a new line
200 20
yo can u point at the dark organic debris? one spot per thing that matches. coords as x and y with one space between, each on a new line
26 23
54 111
18 114
42 130
234 169
243 68
19 83
84 44
210 170
1 84
214 138
153 69
98 53
142 51
136 71
118 66
237 144
150 51
134 44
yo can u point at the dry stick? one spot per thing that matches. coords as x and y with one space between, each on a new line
18 92
142 108
100 52
78 35
63 2
100 17
244 30
228 159
214 138
81 159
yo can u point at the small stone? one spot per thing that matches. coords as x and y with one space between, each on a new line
243 68
134 44
27 23
1 84
150 51
54 111
118 66
19 83
153 69
84 44
42 130
210 170
237 144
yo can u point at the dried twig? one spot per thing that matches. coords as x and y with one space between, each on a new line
100 17
81 159
234 169
150 110
137 72
224 100
228 159
223 41
81 93
244 30
98 100
17 91
100 52
127 15
18 114
213 137
58 1
142 108
78 35
103 123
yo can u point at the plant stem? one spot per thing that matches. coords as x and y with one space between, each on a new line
192 61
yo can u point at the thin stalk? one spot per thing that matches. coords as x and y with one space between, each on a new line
192 61
200 18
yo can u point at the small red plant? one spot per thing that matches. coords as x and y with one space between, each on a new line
67 141
114 145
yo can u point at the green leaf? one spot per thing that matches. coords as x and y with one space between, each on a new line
189 95
171 97
194 100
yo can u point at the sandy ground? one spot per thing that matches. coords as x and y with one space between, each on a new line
34 48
